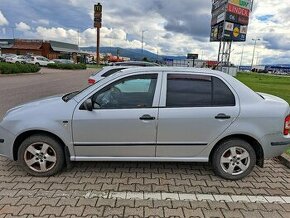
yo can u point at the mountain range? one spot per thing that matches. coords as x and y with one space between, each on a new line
133 54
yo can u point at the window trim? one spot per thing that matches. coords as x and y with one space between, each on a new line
156 97
163 94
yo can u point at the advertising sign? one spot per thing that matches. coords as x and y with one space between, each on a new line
238 10
98 9
218 19
218 3
242 3
234 18
238 33
192 56
217 32
229 20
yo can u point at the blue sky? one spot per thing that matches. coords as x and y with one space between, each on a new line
173 27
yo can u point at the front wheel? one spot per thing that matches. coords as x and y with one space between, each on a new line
41 155
234 159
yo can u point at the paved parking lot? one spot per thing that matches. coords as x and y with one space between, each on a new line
113 189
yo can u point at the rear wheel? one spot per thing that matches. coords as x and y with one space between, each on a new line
234 159
37 64
41 155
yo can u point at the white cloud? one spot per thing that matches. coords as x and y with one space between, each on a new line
3 20
23 27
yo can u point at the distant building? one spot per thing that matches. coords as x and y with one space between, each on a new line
49 49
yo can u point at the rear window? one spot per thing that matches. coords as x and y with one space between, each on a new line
111 72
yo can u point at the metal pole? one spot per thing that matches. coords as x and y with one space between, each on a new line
253 57
242 55
98 46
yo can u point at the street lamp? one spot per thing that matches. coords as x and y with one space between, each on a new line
143 31
255 43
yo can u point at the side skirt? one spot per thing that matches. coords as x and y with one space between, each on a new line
142 159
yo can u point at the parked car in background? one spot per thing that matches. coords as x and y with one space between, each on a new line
150 114
105 72
135 63
62 61
17 59
7 56
40 61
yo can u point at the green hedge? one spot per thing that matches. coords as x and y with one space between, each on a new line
68 66
9 68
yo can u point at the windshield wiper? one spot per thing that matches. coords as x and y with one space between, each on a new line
69 96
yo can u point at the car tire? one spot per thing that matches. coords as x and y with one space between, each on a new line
37 64
233 159
17 62
41 155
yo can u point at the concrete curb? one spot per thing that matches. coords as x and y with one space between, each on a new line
285 160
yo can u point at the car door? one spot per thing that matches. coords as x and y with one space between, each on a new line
195 109
123 122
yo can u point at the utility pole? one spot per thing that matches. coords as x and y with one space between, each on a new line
255 43
98 9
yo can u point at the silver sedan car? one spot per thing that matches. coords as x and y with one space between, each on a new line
150 114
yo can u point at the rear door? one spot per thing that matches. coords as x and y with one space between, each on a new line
195 109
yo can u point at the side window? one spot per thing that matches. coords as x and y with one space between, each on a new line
131 92
222 95
185 90
111 72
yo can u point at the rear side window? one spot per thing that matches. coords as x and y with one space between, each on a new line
186 90
222 95
111 72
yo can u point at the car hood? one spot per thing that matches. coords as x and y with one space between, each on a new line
49 107
36 103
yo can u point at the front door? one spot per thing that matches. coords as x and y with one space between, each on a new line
123 122
195 110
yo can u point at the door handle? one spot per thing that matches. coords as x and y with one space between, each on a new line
222 117
147 117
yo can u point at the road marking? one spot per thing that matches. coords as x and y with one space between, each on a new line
187 197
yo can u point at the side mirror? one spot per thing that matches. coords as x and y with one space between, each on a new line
88 105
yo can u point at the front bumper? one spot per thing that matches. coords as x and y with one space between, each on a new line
274 145
6 143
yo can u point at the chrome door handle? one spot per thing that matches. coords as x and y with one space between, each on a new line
147 117
222 117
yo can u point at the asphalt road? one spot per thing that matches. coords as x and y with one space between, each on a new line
110 189
19 89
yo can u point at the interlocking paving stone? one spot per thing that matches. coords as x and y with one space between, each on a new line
87 187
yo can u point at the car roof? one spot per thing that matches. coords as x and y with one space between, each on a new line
137 62
173 69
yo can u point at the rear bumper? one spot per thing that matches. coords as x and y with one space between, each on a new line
6 143
274 145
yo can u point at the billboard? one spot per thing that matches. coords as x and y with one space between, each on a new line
230 19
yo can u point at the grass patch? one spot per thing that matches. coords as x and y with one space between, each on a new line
67 66
271 84
9 68
288 151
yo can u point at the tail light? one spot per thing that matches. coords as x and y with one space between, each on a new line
287 125
91 81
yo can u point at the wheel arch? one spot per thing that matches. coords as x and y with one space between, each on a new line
29 133
252 141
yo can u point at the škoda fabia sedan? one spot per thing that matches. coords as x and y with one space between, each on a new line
150 114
